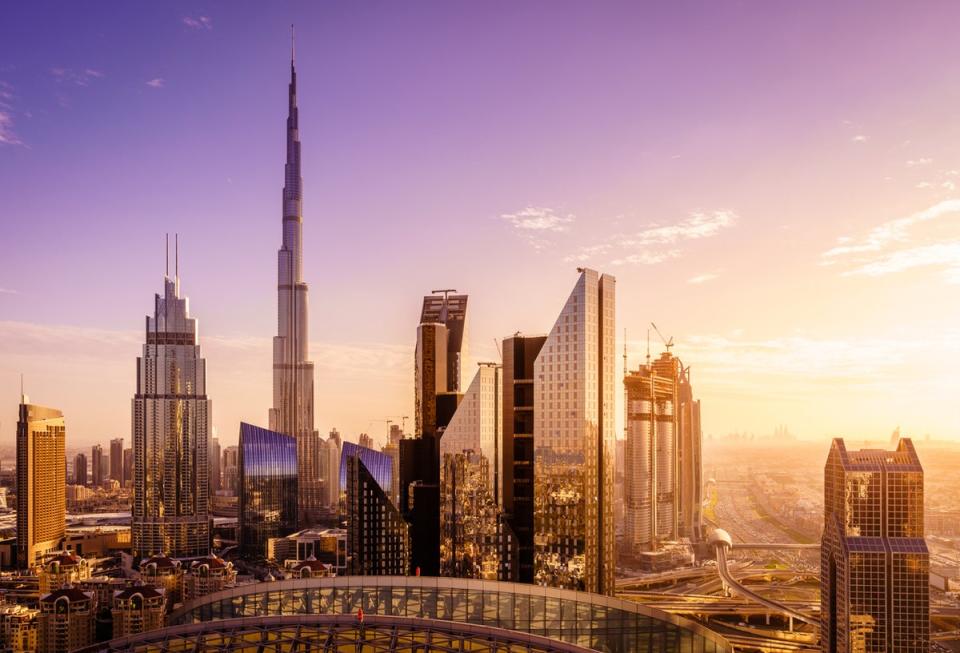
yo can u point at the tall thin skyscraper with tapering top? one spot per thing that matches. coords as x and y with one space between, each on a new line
292 411
171 425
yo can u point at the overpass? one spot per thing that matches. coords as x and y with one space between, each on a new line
722 542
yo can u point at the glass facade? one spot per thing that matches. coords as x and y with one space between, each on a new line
874 573
171 426
268 488
574 442
600 623
41 480
379 464
469 481
377 536
336 633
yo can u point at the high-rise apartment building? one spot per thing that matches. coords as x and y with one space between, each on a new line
330 469
230 469
80 469
574 434
41 483
171 426
377 535
292 411
96 465
874 563
128 466
268 488
662 466
519 354
440 353
116 460
470 536
215 454
365 441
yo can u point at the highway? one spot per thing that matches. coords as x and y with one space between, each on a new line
738 588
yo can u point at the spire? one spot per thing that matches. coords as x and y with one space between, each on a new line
293 45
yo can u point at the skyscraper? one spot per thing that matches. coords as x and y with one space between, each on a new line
171 425
292 411
874 563
662 470
96 465
80 469
519 354
268 488
377 535
128 466
214 465
439 355
470 481
41 482
573 430
116 460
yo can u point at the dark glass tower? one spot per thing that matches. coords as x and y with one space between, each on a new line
874 564
377 535
268 488
519 354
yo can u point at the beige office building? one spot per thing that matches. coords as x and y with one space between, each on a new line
41 483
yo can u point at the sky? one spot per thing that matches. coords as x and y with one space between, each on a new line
774 184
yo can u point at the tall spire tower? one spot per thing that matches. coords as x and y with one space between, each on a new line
292 411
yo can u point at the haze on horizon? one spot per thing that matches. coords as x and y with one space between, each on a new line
774 185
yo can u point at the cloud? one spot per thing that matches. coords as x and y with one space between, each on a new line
658 242
200 22
859 138
534 223
8 291
75 77
900 244
7 134
923 161
646 258
156 82
702 278
535 218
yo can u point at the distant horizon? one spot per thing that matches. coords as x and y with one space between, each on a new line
782 203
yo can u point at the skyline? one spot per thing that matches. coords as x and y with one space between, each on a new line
675 202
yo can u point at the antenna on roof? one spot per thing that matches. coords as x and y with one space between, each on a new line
624 351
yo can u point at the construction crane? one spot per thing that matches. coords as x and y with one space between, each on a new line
666 343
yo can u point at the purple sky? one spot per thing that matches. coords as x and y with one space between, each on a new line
710 155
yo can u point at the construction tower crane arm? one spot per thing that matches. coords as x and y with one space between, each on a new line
666 343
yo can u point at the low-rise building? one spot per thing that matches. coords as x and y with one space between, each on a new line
208 575
138 609
66 620
165 573
18 628
62 570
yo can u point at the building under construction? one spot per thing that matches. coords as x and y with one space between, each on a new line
662 470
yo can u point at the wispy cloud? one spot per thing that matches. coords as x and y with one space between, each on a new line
535 223
200 22
923 161
76 77
703 278
658 242
859 138
8 135
896 246
535 218
157 82
8 291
